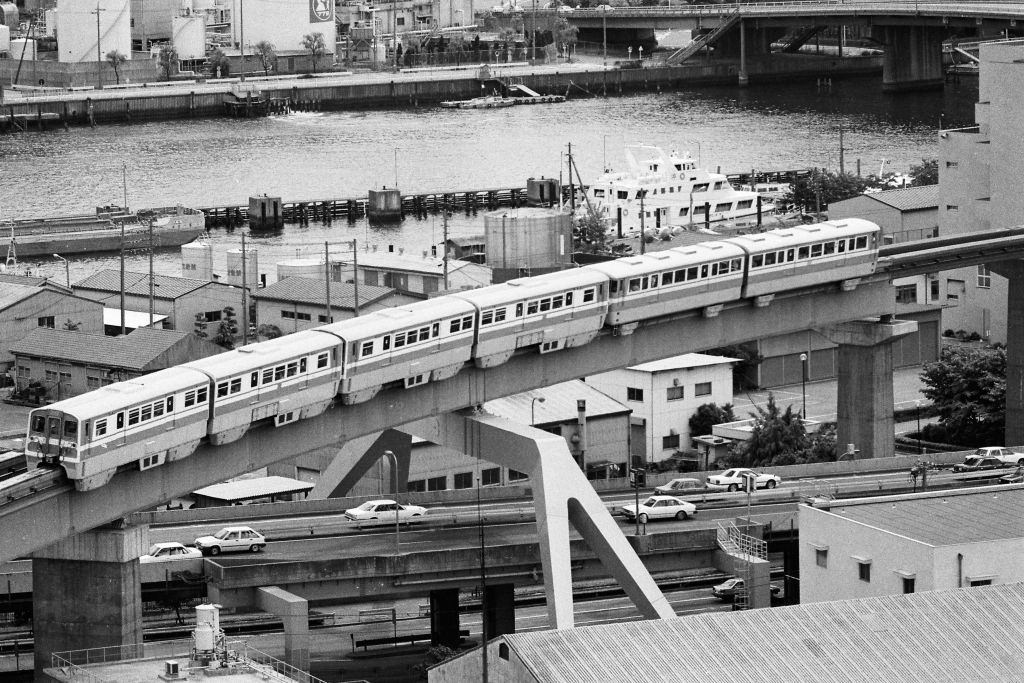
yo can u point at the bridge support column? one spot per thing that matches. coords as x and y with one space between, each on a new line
356 458
913 58
500 609
444 617
86 593
294 613
1013 271
865 401
744 79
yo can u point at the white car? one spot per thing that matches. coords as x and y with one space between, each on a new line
680 487
732 480
167 552
384 511
231 538
660 507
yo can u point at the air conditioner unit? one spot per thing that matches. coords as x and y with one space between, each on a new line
171 670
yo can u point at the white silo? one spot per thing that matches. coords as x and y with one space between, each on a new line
197 260
188 34
77 28
312 268
235 267
527 241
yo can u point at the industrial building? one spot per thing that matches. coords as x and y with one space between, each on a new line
299 303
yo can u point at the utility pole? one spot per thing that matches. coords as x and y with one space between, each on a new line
99 58
245 298
124 183
643 237
151 285
241 38
572 189
355 279
122 279
444 245
394 58
842 157
327 276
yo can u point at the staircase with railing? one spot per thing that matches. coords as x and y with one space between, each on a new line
743 548
702 41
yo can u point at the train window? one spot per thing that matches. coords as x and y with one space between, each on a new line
862 242
400 340
714 269
455 326
321 360
302 365
254 379
54 426
170 403
145 413
588 295
769 259
100 427
38 424
803 252
613 287
531 307
487 318
545 305
133 417
236 385
499 316
757 261
691 273
293 368
519 310
268 375
190 398
815 250
222 389
680 275
367 349
841 246
385 343
568 298
654 281
704 271
829 248
120 420
789 255
201 395
70 427
737 265
435 329
467 322
634 285
556 301
158 409
425 331
279 373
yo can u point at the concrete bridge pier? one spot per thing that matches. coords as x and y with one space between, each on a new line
87 593
294 613
913 57
355 459
1013 271
499 609
444 617
865 401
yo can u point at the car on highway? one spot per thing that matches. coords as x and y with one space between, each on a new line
660 507
974 463
1007 455
169 552
384 511
732 479
1015 477
231 538
727 589
680 487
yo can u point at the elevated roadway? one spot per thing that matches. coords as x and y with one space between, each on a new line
43 508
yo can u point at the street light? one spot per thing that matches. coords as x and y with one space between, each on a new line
919 449
533 403
604 31
803 382
67 268
394 473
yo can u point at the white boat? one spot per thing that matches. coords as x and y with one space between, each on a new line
488 102
678 195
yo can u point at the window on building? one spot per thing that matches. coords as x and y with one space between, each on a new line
864 571
51 375
634 394
46 321
437 483
702 389
980 582
463 480
906 294
288 315
934 290
418 486
212 316
670 441
984 278
516 475
491 476
674 393
908 584
821 557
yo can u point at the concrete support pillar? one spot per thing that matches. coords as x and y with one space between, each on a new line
294 613
499 609
356 458
444 617
1013 271
913 57
86 593
744 80
865 402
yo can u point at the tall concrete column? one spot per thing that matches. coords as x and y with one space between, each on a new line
444 617
356 458
865 402
1013 271
744 79
86 593
500 609
294 613
913 57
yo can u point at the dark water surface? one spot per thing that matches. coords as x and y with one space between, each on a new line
343 154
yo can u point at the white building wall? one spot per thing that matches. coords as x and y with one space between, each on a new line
283 22
188 34
76 29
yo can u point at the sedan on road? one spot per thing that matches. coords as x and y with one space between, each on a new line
727 589
168 552
231 538
975 463
384 511
660 507
732 480
680 487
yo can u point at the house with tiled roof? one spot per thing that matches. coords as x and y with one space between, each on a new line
298 303
181 299
53 364
26 304
904 215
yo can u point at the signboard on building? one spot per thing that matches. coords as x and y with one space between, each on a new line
321 11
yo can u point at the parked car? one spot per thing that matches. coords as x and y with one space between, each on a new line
384 511
678 487
660 507
1006 455
231 538
975 463
170 551
732 480
727 589
1015 477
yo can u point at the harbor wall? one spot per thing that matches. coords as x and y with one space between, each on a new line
81 108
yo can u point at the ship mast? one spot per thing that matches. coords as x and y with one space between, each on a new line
12 250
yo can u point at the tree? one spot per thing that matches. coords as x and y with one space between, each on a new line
116 59
220 65
72 325
925 173
314 44
200 326
967 388
778 437
821 188
707 416
227 329
591 234
168 61
269 332
566 35
267 54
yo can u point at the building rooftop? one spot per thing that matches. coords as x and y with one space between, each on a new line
687 361
967 634
559 404
133 351
943 518
30 280
412 263
165 286
11 294
255 487
909 198
312 291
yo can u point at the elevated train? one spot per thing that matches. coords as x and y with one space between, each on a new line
164 416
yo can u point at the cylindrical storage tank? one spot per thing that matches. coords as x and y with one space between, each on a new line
5 39
301 267
26 45
530 239
188 34
207 627
197 261
235 267
202 5
76 30
51 23
9 15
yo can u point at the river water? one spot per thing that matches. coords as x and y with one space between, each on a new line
343 154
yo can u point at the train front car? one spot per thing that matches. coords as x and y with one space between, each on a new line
137 424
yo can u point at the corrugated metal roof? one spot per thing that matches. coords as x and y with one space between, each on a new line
32 281
909 198
944 518
166 286
683 362
559 404
256 487
967 634
133 351
11 294
312 291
